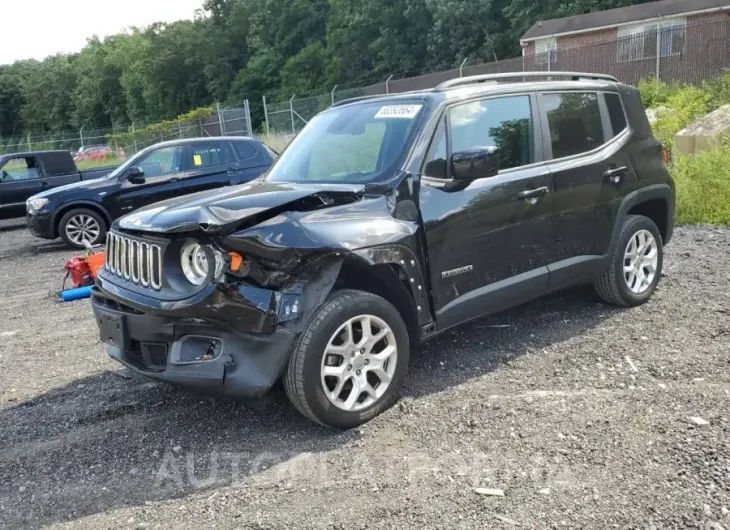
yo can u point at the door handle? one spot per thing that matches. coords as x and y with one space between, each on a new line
174 179
44 184
533 194
615 175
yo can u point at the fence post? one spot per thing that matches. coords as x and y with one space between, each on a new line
30 148
134 138
81 136
291 112
266 115
221 124
387 84
659 52
247 109
461 67
333 94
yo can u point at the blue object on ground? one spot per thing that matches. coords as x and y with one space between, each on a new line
76 294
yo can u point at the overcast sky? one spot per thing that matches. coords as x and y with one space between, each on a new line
39 28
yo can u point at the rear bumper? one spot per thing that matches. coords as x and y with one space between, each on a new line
197 354
40 224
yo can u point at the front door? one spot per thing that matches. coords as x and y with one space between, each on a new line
20 178
487 241
164 172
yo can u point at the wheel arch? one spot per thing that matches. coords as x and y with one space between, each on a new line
655 202
387 280
89 205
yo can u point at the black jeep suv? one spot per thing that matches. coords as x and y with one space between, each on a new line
387 221
81 213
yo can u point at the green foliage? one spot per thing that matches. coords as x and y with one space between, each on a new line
703 187
684 107
236 49
159 131
655 94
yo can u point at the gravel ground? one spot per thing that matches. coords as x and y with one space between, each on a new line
583 416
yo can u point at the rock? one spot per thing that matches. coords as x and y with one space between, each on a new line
492 492
705 133
545 491
654 114
699 421
177 449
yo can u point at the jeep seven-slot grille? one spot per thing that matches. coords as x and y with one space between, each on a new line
136 261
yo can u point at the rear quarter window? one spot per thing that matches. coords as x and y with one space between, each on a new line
616 113
245 151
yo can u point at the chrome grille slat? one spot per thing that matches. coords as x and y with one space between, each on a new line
136 261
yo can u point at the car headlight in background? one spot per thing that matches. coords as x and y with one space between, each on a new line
35 204
195 266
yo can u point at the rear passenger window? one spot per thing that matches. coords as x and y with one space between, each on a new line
575 123
616 113
245 151
209 155
504 123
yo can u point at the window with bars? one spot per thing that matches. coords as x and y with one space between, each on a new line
639 42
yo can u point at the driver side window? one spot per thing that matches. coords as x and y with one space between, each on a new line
162 162
19 169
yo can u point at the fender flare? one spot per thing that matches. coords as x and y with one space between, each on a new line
664 192
56 217
403 258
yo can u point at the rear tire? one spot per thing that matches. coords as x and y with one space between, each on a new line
636 264
82 224
339 377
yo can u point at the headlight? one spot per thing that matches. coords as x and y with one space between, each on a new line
194 262
35 204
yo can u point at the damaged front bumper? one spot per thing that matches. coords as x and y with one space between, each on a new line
233 340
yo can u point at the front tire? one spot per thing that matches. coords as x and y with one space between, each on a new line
350 361
81 226
636 264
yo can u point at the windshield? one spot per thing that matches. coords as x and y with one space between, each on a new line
355 144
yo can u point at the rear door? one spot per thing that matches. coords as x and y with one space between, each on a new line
254 160
20 178
211 165
590 174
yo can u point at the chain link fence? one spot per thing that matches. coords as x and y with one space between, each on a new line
686 53
224 121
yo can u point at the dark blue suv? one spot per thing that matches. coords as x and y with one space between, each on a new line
81 213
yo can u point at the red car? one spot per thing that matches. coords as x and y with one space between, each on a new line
98 152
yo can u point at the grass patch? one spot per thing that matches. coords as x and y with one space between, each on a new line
703 186
93 164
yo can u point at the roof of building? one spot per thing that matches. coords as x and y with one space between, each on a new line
621 15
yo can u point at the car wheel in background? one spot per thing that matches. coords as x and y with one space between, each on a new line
82 227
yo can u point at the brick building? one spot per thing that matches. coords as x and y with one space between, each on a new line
677 40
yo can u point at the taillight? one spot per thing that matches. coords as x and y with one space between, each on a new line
665 155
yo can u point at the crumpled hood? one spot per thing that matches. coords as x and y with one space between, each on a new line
230 206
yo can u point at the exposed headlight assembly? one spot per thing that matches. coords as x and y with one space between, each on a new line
35 204
194 263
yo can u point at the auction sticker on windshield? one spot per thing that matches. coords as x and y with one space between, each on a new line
398 111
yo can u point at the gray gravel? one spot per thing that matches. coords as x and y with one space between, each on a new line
583 415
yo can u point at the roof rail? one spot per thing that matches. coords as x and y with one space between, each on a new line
573 76
355 99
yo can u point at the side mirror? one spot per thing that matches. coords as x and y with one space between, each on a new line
477 163
135 175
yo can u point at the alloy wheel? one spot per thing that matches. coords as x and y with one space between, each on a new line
83 229
359 363
641 260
